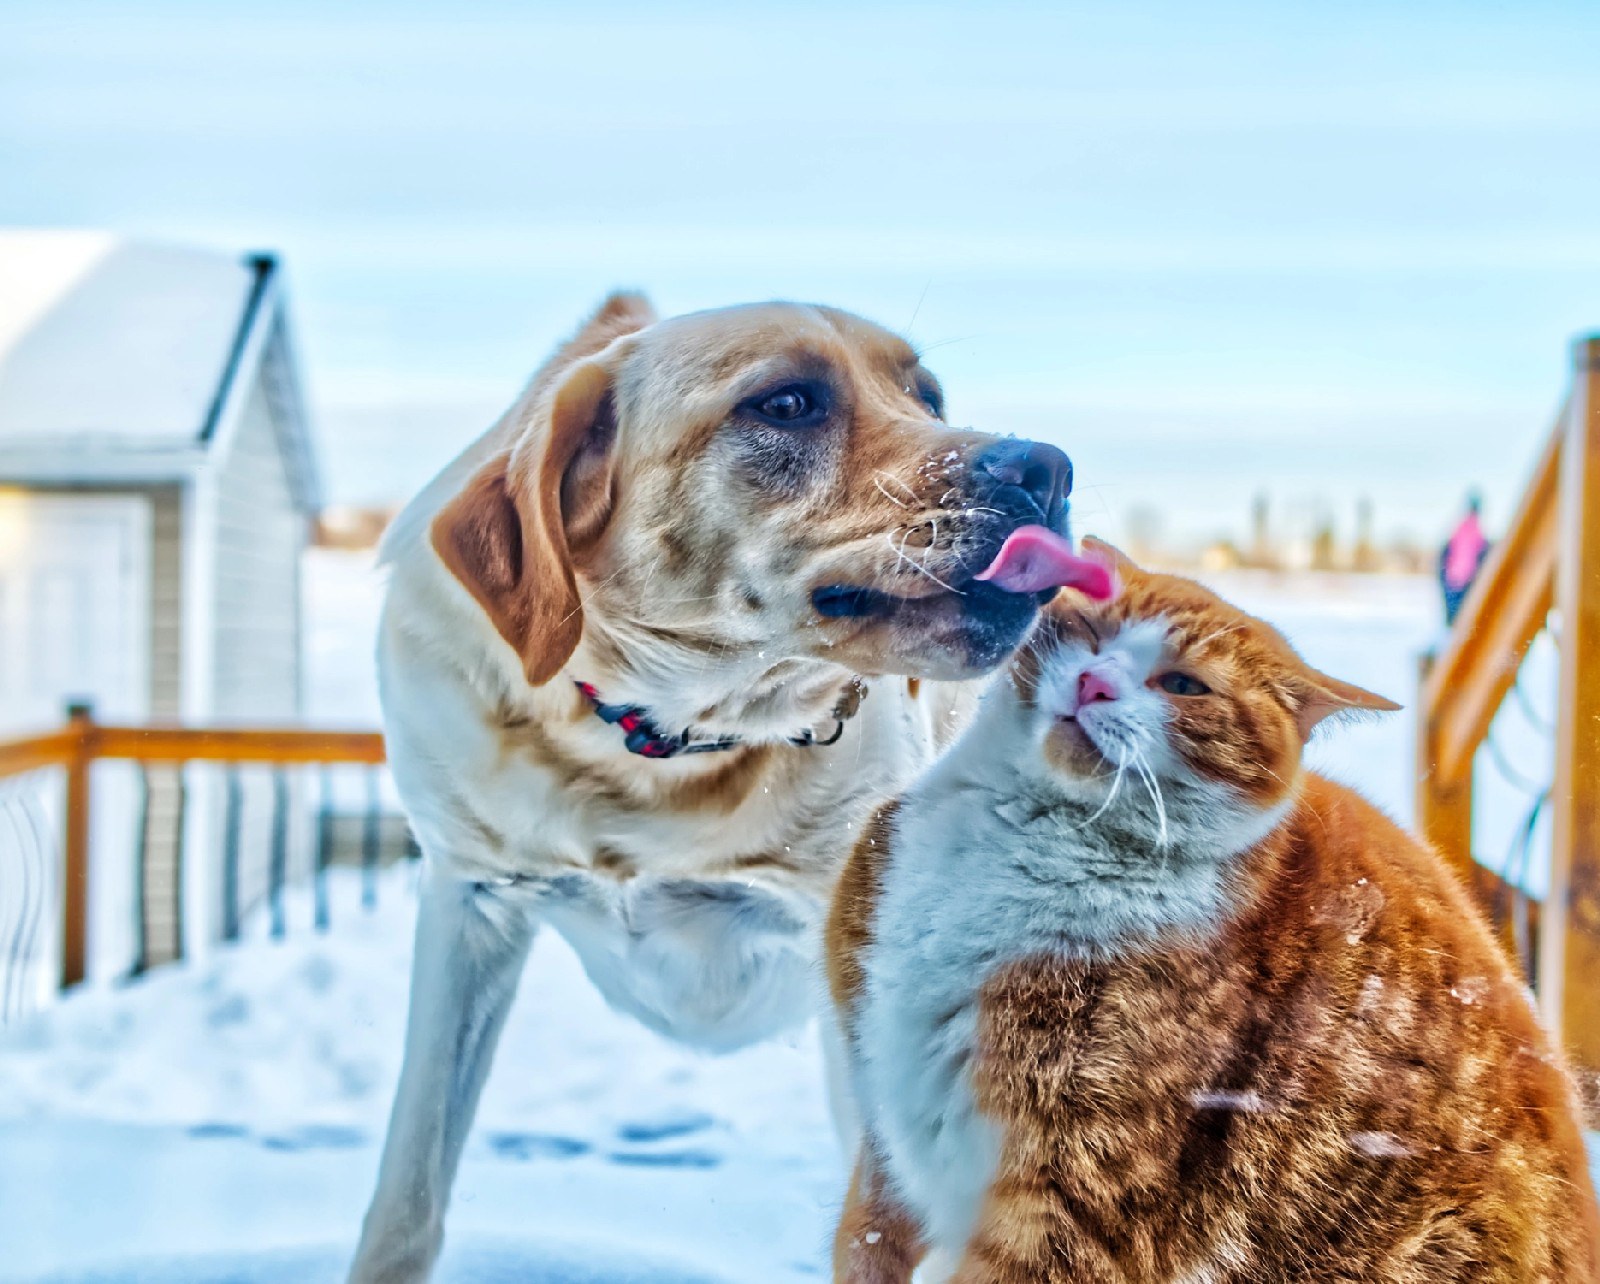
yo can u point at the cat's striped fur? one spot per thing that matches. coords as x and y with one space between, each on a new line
1131 997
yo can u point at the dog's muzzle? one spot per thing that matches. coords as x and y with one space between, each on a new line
1023 482
1005 484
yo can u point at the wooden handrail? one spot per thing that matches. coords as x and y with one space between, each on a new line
1549 557
35 753
285 745
1502 614
82 742
1569 960
158 743
1463 686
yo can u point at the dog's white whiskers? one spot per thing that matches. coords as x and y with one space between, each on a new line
899 552
902 484
922 568
948 588
882 491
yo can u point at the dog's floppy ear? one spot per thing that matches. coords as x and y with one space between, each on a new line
511 534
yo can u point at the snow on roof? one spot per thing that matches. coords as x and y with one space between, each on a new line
118 358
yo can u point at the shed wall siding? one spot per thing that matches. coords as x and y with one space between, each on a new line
160 905
260 540
166 603
260 536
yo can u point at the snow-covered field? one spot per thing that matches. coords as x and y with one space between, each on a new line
220 1121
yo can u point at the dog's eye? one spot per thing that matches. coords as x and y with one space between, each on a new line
1181 684
791 403
795 406
933 399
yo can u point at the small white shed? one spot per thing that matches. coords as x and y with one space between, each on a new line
157 489
157 482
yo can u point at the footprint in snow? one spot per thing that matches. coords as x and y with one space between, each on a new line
205 1131
316 1137
666 1158
536 1145
664 1128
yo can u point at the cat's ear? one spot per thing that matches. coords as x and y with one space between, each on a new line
1321 697
1110 555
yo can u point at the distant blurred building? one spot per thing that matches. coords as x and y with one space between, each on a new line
1364 554
1262 553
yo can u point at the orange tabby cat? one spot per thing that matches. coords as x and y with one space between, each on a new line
1130 996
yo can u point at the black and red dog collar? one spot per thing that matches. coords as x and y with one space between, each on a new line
644 738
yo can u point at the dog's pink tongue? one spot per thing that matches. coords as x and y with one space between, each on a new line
1035 558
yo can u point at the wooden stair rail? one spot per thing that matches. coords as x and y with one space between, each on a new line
1569 959
1549 557
83 741
1464 685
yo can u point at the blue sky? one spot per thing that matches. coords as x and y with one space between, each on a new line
1328 251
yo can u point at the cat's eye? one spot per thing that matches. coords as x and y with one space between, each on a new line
1181 684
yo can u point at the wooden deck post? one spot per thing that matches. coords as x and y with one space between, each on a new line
75 848
1569 958
1444 806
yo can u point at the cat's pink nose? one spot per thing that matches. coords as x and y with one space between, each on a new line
1094 686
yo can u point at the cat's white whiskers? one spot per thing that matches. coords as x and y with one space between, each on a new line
1153 787
1116 784
1220 633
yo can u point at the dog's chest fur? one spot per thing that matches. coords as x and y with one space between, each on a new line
697 912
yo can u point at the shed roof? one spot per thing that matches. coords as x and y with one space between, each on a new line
122 360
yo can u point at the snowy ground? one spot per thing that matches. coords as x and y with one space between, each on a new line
230 1113
221 1121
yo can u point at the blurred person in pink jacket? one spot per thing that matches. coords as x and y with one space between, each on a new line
1461 557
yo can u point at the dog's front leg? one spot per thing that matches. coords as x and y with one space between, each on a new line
471 945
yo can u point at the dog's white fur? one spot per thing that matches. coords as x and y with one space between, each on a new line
684 938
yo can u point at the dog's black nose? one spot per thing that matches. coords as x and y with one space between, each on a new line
1040 471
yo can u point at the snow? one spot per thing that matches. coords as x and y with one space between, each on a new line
221 1120
230 1113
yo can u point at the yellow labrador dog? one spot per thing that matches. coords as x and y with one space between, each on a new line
652 651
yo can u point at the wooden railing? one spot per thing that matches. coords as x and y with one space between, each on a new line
1545 568
76 747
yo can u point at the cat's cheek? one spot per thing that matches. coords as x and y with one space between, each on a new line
1260 768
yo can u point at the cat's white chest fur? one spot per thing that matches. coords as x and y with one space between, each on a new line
915 1038
986 869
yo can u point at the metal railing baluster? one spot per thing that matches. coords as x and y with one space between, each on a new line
369 842
232 821
141 876
324 852
278 870
179 842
